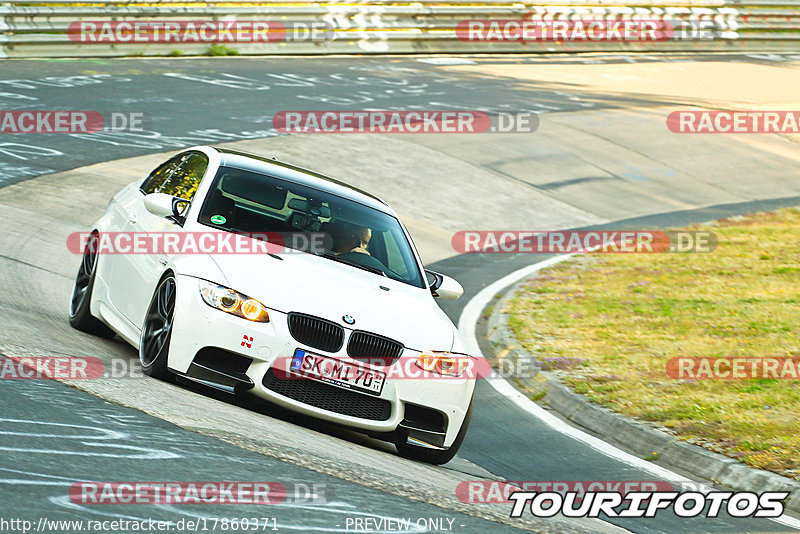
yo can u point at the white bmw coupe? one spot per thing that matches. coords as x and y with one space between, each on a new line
346 331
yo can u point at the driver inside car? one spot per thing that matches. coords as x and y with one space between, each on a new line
354 239
351 242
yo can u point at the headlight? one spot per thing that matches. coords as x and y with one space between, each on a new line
444 363
229 301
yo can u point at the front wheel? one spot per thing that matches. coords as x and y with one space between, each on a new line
80 316
157 331
437 457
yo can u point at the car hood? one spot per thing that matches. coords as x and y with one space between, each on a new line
300 282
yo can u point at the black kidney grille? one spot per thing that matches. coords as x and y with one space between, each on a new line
378 350
316 332
327 397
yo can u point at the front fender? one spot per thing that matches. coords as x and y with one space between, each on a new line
197 266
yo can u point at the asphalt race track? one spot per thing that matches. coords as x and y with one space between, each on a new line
593 162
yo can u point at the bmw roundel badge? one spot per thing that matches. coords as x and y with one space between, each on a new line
348 319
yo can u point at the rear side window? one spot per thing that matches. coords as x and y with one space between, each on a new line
179 176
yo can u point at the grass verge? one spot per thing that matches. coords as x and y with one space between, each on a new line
608 324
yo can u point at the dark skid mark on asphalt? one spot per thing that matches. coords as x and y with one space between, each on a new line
31 265
551 186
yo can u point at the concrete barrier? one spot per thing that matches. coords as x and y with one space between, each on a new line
42 28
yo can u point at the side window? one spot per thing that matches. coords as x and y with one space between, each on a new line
183 181
178 177
153 182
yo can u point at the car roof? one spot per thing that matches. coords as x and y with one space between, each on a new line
298 175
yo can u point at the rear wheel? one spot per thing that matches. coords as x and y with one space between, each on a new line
433 456
157 331
80 315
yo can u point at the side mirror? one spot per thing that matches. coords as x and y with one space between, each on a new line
164 205
443 286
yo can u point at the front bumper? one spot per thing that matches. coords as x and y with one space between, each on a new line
197 326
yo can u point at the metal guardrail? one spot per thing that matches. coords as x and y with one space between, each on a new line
41 28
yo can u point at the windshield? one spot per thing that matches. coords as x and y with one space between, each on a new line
356 235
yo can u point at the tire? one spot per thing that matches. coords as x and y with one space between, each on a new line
80 315
436 457
157 330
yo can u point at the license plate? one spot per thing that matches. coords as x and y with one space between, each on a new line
346 375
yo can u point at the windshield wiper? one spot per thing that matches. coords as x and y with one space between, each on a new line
352 263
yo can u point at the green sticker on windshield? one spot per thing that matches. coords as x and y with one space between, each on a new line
218 219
